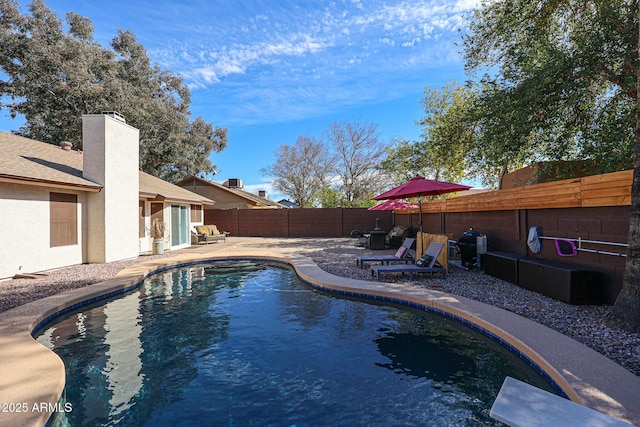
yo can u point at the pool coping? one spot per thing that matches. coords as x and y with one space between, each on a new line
32 377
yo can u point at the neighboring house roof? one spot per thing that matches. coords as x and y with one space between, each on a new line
193 182
288 203
153 187
30 162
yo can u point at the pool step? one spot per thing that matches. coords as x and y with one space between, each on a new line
523 405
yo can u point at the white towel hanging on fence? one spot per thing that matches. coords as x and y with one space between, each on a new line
533 241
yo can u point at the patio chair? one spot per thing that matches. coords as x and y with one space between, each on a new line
402 255
426 264
396 236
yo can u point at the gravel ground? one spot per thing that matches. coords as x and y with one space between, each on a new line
16 292
582 323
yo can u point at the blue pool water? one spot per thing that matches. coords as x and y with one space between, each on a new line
246 344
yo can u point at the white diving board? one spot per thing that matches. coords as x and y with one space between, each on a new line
522 405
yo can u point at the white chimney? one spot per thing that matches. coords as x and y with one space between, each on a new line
110 158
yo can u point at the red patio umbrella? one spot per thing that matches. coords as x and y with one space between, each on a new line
418 187
390 205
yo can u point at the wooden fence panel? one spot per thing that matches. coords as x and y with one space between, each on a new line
612 189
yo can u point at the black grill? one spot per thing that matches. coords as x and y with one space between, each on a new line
467 245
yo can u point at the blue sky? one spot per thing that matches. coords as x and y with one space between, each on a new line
270 71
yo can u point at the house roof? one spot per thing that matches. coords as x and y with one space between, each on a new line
30 162
245 195
36 163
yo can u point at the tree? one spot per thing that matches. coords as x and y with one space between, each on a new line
627 305
450 136
404 160
359 153
563 82
302 170
54 77
330 197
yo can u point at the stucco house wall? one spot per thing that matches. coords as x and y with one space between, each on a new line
25 231
225 200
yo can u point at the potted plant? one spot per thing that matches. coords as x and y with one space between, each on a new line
157 234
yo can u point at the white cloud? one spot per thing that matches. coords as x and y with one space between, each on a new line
279 64
467 4
239 58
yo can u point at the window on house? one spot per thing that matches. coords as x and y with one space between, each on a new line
141 224
156 211
63 219
196 213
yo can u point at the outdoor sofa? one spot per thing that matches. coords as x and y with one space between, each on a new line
210 233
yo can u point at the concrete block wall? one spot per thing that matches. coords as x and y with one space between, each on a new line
330 222
507 231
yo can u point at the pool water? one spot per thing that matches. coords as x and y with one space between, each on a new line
249 344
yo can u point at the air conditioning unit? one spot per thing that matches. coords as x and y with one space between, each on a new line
234 183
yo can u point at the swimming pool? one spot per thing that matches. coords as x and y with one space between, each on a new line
247 343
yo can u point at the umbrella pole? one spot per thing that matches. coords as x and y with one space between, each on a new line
421 240
420 212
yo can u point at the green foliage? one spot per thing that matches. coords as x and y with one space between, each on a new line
55 76
449 132
330 197
559 83
404 160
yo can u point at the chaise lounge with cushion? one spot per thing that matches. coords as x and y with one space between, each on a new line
402 255
210 233
426 264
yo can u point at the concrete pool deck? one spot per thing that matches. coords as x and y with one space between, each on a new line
32 377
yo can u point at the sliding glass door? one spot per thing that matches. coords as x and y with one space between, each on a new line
179 225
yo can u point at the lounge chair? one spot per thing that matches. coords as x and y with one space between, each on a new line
402 255
430 259
210 233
